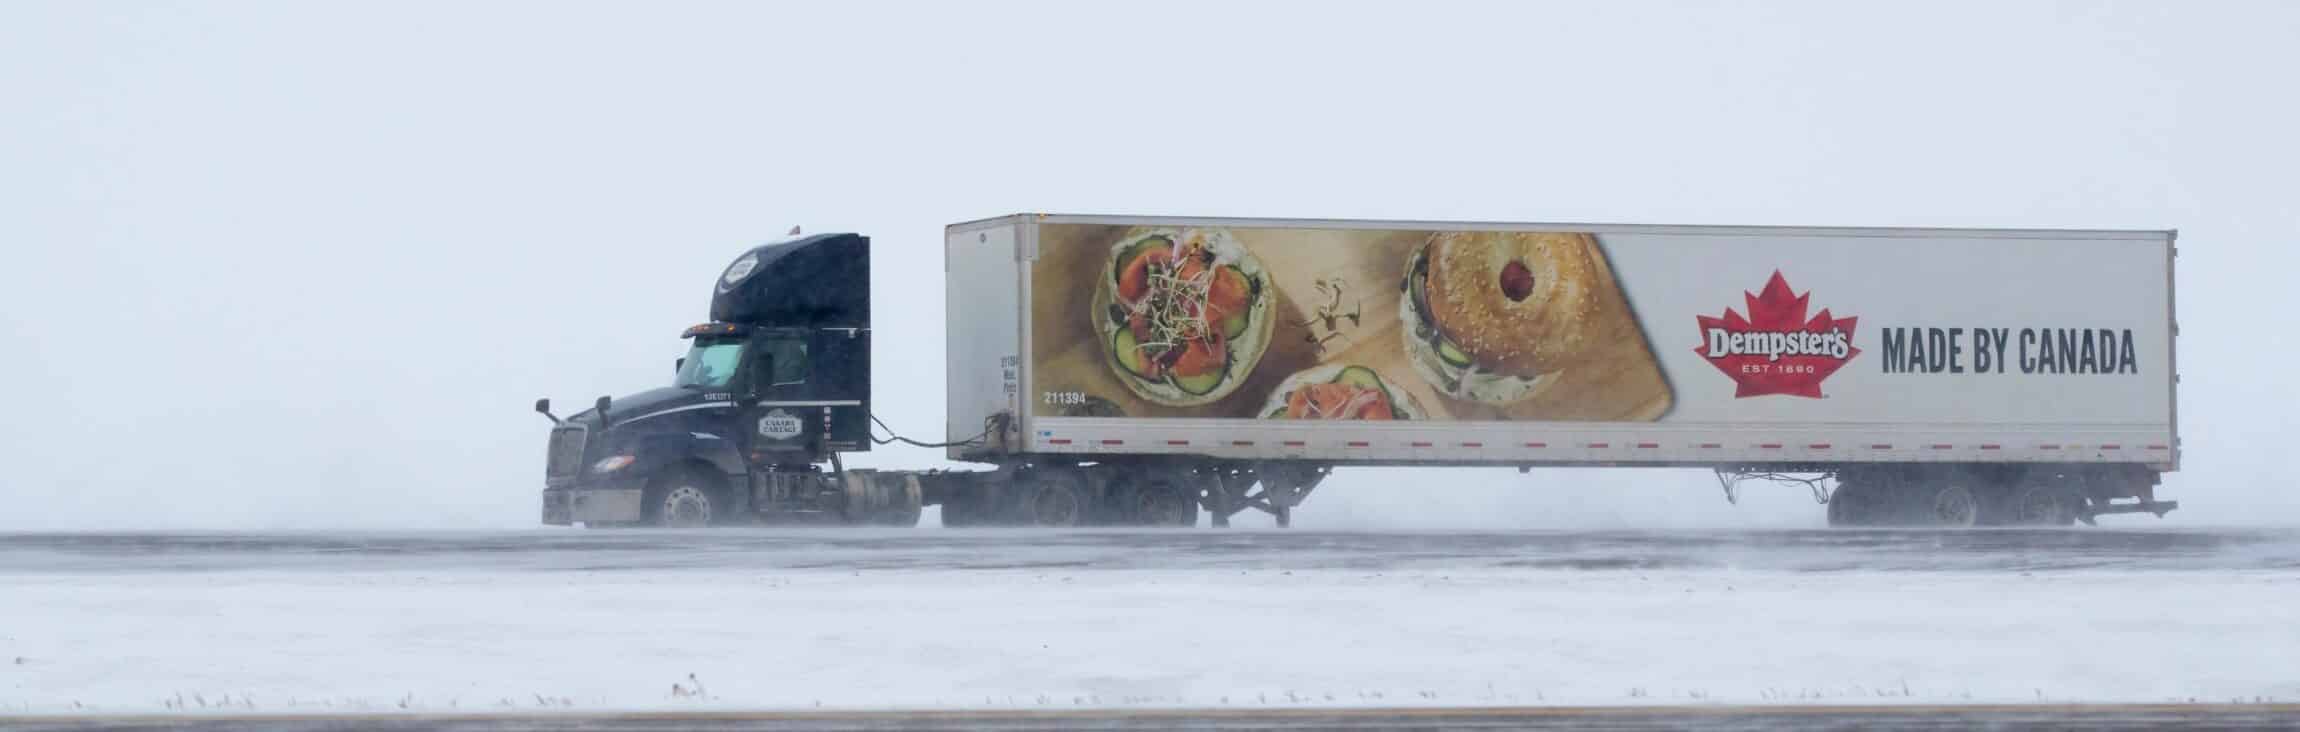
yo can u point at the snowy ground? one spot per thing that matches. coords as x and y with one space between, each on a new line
1014 620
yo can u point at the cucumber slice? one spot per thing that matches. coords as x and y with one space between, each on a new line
1200 384
1233 326
1128 351
1450 354
1126 257
1359 376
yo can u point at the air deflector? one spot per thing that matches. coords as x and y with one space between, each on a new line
818 281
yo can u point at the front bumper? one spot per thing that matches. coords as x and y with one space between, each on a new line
612 502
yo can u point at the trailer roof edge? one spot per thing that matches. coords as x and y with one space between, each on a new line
1593 227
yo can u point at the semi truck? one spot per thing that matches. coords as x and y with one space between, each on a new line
1142 370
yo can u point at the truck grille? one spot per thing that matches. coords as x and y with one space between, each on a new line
564 457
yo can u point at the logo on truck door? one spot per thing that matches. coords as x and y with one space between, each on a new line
1777 349
781 425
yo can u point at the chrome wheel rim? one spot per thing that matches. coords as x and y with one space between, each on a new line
686 506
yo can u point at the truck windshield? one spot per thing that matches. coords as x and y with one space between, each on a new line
710 363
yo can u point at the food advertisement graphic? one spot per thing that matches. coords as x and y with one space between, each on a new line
1336 324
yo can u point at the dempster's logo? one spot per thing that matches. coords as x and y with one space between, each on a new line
1776 349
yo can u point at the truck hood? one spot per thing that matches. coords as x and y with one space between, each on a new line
641 404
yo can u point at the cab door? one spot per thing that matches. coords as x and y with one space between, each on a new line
841 360
786 427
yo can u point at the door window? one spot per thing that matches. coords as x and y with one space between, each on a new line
790 360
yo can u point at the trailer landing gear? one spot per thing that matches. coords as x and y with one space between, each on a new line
1282 487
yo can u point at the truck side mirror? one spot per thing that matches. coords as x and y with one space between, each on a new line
543 407
601 406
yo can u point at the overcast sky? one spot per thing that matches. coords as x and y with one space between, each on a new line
306 264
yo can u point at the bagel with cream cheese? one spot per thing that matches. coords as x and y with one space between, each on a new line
1493 315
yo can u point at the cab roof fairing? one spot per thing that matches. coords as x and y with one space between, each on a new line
822 280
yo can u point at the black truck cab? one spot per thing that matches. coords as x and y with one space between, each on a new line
776 384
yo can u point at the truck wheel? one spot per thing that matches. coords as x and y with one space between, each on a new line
881 499
958 512
681 501
904 510
1954 506
898 517
1852 505
1050 501
2043 504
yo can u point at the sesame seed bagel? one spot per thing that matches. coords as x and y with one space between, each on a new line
1518 303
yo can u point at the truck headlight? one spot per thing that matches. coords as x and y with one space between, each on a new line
613 464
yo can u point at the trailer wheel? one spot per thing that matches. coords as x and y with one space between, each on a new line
1162 502
1134 503
1852 505
1181 509
1050 501
681 500
1954 506
2042 503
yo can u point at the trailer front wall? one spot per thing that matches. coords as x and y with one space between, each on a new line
1379 342
982 306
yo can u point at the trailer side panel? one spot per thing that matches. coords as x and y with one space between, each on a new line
1489 343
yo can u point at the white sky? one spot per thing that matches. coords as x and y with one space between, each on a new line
306 265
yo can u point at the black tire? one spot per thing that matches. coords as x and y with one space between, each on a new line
2043 503
1129 504
903 513
1171 504
683 499
903 518
1852 505
1157 502
958 512
1951 504
1050 501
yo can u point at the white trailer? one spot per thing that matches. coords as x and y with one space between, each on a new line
1132 368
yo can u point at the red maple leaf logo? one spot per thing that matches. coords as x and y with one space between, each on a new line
1777 350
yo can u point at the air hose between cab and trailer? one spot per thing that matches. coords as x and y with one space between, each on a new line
893 437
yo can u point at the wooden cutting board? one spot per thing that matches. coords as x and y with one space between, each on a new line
1336 302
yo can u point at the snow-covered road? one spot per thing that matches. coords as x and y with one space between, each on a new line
1026 620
